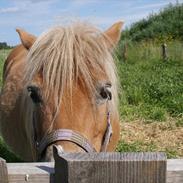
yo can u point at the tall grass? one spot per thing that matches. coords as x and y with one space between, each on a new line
147 51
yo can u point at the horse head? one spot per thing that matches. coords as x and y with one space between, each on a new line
70 84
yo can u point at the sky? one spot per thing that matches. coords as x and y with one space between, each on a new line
36 16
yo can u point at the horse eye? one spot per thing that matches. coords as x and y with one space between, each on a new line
105 92
34 93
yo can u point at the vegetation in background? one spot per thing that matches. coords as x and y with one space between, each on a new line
151 99
152 89
4 45
164 26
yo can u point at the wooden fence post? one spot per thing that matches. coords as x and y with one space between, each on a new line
110 167
164 52
175 171
3 171
125 53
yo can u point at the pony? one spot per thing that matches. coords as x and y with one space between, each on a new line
61 88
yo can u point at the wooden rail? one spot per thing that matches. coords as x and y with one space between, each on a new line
101 167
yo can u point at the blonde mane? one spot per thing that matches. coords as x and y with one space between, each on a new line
68 55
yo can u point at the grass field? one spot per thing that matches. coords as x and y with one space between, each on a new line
151 100
152 89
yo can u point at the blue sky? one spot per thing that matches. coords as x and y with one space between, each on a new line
35 16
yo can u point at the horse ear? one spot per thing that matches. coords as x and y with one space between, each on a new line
26 38
113 33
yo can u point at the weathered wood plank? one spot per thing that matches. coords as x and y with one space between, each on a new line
110 168
30 172
175 171
3 171
44 172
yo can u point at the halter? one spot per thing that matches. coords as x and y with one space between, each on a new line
75 137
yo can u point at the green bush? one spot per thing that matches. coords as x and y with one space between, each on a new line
163 26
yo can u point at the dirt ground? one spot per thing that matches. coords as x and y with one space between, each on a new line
155 136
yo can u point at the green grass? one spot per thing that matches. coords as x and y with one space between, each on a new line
134 147
151 91
151 88
141 146
179 122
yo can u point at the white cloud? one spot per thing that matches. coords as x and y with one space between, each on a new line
9 10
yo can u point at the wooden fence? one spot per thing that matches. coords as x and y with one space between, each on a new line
96 168
164 52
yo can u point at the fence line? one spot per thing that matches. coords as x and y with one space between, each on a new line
162 52
97 167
